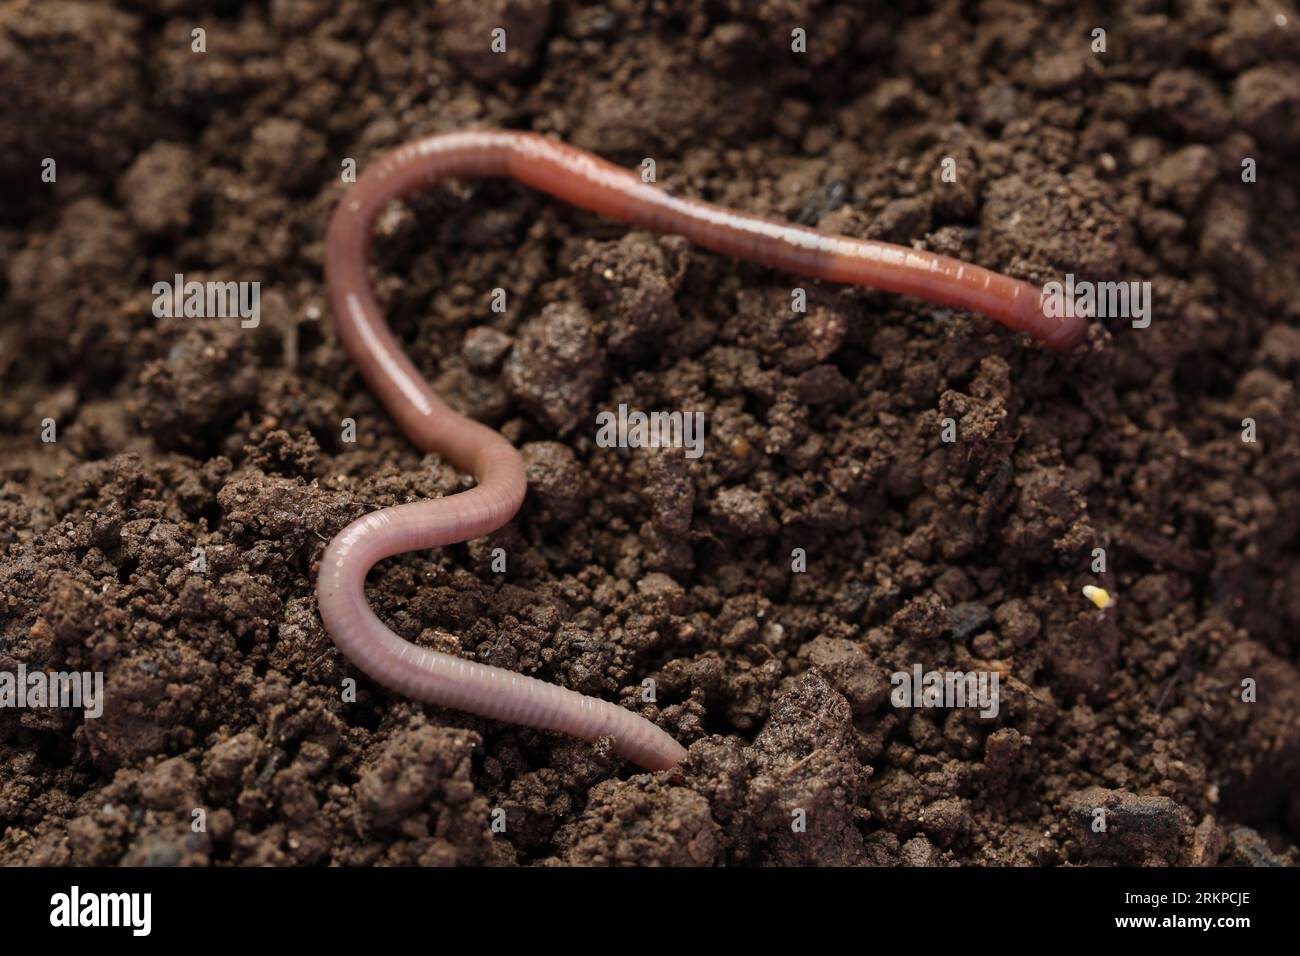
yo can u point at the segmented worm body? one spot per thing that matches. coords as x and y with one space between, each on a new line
591 183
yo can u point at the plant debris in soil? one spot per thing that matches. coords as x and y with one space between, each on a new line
183 440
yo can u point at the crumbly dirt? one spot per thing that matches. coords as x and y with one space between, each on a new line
224 693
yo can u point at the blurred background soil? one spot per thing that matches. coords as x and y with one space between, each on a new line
223 690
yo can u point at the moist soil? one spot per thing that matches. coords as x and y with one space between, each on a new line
225 695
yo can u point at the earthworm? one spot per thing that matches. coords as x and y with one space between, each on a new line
583 180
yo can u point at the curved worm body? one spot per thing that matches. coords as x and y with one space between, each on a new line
583 180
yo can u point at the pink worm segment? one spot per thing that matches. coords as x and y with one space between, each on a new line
591 183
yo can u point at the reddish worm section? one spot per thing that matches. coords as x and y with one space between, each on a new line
583 180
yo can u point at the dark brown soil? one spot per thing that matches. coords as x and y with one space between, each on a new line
223 690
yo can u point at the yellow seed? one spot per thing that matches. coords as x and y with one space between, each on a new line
1098 596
